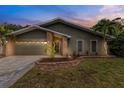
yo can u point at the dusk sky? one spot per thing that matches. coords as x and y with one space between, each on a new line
86 15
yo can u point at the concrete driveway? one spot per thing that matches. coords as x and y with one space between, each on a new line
14 67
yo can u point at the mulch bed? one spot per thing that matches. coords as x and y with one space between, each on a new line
1 56
56 59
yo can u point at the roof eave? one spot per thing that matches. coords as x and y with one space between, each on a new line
72 24
36 26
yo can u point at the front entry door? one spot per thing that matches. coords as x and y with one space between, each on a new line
58 47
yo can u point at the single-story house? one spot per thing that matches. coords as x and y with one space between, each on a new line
68 38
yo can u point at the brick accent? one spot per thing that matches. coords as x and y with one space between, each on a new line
49 39
64 46
10 49
50 66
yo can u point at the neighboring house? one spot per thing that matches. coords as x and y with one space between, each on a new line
69 39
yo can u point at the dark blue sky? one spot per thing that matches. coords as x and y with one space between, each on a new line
85 14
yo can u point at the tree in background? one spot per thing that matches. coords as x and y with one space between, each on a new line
110 27
115 28
120 24
116 46
6 28
104 26
3 32
13 27
119 19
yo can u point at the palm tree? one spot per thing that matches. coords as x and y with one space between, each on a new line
107 27
3 32
119 19
13 27
120 25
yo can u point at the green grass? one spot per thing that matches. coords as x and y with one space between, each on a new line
91 72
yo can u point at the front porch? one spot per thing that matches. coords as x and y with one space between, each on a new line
59 42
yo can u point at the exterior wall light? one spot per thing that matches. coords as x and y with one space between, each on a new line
6 41
30 42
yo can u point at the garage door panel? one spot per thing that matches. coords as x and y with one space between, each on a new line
30 49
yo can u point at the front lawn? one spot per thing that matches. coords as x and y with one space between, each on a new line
91 72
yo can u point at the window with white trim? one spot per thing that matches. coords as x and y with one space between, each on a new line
94 46
80 47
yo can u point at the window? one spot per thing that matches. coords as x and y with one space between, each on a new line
94 46
80 46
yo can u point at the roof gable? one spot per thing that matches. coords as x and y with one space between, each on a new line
30 28
72 24
58 20
42 25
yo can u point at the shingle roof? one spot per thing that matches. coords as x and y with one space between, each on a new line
41 26
27 29
74 25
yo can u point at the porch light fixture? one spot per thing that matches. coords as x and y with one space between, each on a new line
6 41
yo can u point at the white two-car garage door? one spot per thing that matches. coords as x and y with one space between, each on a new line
30 48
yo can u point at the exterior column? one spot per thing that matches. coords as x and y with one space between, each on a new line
10 49
64 46
104 49
49 39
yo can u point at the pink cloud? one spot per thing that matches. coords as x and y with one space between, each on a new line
108 11
111 8
86 23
